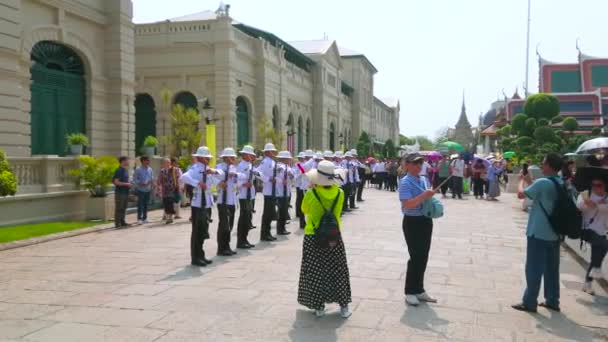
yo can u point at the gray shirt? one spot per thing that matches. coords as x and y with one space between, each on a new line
143 178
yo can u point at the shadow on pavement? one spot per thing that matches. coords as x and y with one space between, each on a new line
308 328
561 326
423 317
188 272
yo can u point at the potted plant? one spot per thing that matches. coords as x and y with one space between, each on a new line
149 147
77 141
8 181
96 176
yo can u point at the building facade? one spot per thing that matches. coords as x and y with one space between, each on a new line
581 88
313 93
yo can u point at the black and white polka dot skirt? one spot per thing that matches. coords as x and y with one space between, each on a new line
324 276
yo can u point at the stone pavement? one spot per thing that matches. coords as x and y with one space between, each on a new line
136 285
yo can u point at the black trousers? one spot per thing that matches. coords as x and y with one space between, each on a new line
200 233
346 188
283 207
444 186
361 185
224 226
121 201
456 187
299 213
244 223
350 190
267 216
418 231
478 186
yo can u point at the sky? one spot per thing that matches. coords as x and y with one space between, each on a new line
428 52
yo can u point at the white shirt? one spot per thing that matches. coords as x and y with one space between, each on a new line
425 169
231 184
351 171
246 174
379 167
266 170
458 168
599 215
194 177
307 166
284 179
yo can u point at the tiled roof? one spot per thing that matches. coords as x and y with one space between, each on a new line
313 47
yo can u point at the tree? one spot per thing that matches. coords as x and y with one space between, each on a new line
570 124
403 140
544 135
519 123
185 134
8 181
96 173
506 131
529 127
596 131
557 119
269 134
364 144
542 106
425 143
389 150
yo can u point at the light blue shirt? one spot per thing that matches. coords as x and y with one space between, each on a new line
411 187
142 176
542 191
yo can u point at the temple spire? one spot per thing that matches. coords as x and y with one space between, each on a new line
463 120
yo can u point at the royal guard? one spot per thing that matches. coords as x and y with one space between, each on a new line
226 201
283 184
247 176
268 172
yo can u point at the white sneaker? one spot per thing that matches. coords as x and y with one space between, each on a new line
596 273
412 300
145 221
319 313
345 312
140 222
588 288
424 297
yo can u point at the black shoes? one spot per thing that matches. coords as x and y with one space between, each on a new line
252 227
360 200
268 238
199 263
550 307
522 307
226 252
284 232
246 245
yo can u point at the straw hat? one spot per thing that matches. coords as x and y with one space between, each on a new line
247 149
325 174
269 147
203 152
228 152
284 155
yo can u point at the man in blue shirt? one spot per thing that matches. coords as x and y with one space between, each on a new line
143 179
542 252
417 228
121 192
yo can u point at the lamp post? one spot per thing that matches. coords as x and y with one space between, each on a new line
210 128
341 141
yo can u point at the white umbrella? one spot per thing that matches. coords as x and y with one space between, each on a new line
593 146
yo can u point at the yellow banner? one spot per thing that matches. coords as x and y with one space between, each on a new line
211 143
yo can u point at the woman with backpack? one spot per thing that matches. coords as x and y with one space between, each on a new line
324 276
594 206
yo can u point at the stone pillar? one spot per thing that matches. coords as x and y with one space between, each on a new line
14 123
486 146
119 57
224 101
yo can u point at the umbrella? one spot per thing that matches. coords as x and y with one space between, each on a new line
434 156
485 162
371 160
584 175
453 146
509 154
594 146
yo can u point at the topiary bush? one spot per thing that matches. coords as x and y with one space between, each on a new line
96 173
8 181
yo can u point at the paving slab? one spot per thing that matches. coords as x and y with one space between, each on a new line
136 284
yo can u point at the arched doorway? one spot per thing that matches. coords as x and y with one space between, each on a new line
332 136
242 121
308 134
58 97
145 119
187 100
300 135
276 119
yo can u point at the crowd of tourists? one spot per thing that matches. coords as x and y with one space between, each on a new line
329 184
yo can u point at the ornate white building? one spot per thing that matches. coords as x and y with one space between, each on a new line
315 93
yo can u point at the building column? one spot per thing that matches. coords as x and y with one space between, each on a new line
224 78
14 120
119 57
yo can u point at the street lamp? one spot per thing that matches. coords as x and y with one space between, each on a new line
209 112
341 139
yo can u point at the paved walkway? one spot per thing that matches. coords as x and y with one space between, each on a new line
135 285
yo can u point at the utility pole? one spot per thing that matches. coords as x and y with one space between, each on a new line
528 50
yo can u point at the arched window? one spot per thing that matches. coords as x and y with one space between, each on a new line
332 136
145 119
300 135
186 99
58 97
242 121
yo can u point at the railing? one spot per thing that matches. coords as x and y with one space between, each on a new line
42 174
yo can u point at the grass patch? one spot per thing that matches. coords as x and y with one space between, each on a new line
15 233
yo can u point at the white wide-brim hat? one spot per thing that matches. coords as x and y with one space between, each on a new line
247 149
203 152
301 155
269 147
318 156
284 155
309 154
328 154
228 152
326 174
348 155
353 152
339 154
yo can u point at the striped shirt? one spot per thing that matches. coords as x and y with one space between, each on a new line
411 187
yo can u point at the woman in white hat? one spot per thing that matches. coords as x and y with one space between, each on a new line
324 276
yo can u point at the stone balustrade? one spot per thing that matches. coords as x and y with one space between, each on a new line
43 174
